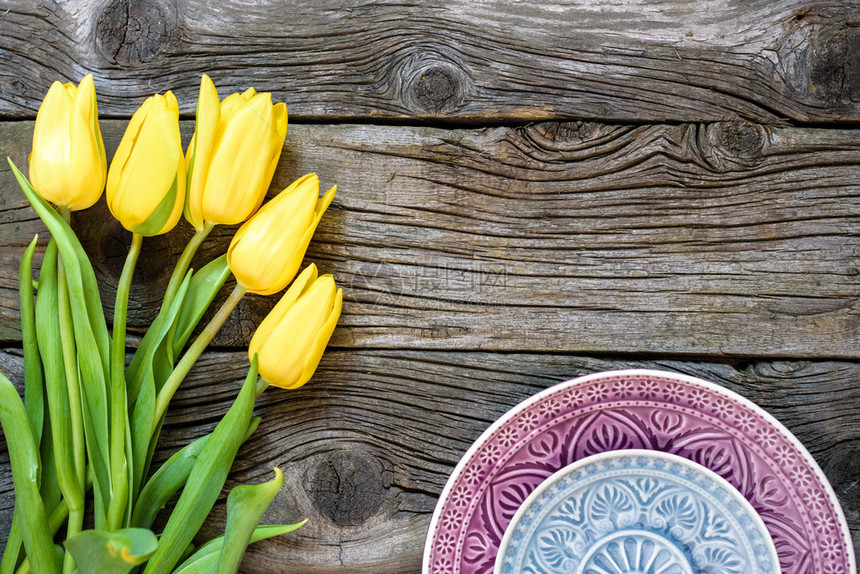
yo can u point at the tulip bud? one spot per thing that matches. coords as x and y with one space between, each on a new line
291 339
67 164
233 155
146 181
266 252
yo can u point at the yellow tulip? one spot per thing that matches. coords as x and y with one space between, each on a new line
291 339
266 252
67 164
232 155
146 181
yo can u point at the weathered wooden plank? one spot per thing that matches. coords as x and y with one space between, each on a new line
765 61
716 239
368 444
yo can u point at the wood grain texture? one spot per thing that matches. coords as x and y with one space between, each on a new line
725 239
368 444
461 61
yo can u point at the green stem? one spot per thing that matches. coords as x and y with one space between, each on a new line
24 460
76 514
55 520
184 262
193 352
34 395
14 544
119 466
262 385
70 362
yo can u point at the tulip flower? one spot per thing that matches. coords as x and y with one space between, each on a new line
146 181
67 164
233 155
291 339
266 252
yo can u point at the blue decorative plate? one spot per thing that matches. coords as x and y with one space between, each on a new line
636 512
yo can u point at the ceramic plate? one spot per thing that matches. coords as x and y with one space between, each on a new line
636 511
638 409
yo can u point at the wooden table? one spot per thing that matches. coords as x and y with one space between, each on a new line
526 192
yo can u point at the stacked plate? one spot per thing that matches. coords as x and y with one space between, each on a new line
638 472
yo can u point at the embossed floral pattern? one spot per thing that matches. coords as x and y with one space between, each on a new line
698 398
624 388
452 519
529 420
692 522
490 453
548 408
649 389
508 436
571 398
446 543
658 415
473 475
597 393
721 407
461 496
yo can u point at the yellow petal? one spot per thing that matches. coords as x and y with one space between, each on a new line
240 165
87 173
280 118
289 269
123 152
200 150
282 358
262 253
151 168
264 330
180 198
171 102
51 155
315 353
232 104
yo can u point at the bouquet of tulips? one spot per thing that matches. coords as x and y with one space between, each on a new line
83 438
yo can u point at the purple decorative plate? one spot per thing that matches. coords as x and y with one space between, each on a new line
639 409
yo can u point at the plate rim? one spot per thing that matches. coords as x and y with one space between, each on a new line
681 377
647 453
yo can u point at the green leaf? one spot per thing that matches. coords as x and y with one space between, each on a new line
56 391
205 285
171 477
12 553
206 479
34 396
246 505
159 216
72 250
144 407
90 333
205 560
24 459
153 340
50 484
141 426
100 552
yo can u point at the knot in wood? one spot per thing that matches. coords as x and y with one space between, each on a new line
132 32
347 487
561 136
741 139
732 145
431 82
835 67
